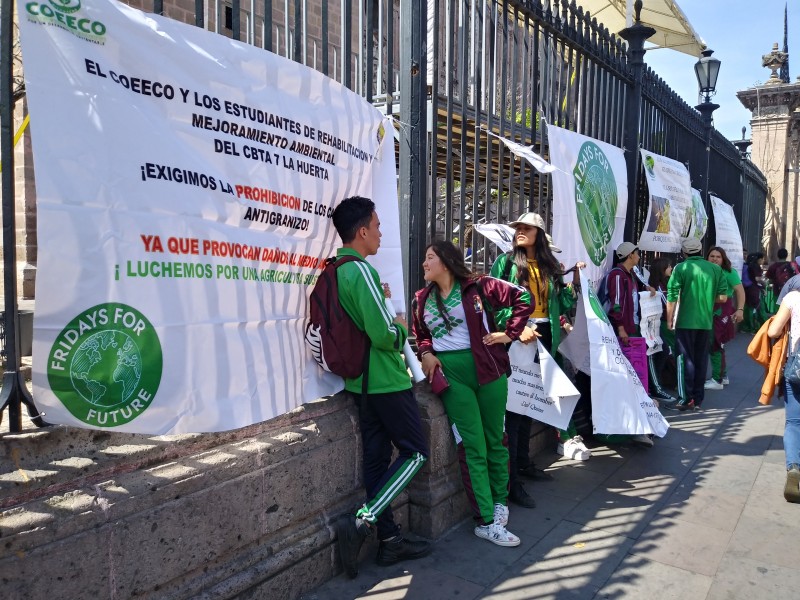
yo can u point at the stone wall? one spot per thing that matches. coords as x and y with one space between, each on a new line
241 514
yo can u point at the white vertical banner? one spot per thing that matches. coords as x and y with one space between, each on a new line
590 199
185 185
669 217
620 403
727 232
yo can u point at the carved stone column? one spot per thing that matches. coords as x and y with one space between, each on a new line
775 135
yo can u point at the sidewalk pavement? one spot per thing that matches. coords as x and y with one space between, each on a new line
699 516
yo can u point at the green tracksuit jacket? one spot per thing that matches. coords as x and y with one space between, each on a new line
361 295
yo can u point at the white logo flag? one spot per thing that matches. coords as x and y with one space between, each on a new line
500 234
590 190
620 403
527 153
671 212
538 388
185 186
727 230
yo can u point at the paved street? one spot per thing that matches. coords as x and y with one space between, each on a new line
699 516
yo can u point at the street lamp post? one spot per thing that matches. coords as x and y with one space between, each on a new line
707 69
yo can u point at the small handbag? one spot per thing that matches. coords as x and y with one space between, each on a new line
439 383
791 371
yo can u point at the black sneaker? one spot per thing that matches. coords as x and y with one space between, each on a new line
664 397
351 533
520 497
685 405
399 549
531 472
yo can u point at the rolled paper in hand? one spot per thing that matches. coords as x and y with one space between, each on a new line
411 359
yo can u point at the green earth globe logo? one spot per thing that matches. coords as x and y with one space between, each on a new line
106 368
650 165
597 308
66 6
105 365
595 200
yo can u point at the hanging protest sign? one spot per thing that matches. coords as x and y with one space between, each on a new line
651 308
669 217
590 188
699 217
727 230
538 388
185 186
620 403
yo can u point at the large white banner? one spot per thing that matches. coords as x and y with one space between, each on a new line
727 231
671 210
590 198
620 403
185 184
538 388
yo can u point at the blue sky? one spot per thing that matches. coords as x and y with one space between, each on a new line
739 32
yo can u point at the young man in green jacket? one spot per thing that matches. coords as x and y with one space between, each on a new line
389 414
697 284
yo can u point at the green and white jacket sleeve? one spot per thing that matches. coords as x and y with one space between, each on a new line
362 297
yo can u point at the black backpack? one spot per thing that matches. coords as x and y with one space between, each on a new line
336 343
783 273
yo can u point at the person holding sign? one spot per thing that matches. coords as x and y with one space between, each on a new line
456 332
660 270
388 414
697 284
726 316
532 265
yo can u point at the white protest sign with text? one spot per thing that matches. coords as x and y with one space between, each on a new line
185 184
727 229
620 403
538 388
671 211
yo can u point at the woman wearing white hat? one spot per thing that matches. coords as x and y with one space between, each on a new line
531 264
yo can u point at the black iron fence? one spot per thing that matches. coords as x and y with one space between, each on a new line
455 74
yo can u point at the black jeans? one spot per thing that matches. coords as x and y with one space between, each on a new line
692 348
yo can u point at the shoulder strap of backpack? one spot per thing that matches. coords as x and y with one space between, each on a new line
338 261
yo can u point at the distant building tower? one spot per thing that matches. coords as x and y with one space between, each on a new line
785 68
775 126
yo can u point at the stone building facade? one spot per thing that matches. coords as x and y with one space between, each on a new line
775 124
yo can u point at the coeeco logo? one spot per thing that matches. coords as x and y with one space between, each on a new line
62 13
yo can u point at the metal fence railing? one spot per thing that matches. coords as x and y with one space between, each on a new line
454 72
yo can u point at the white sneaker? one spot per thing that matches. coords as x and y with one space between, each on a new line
574 449
501 514
712 384
642 440
725 381
497 534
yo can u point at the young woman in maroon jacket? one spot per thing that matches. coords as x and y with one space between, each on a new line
455 331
